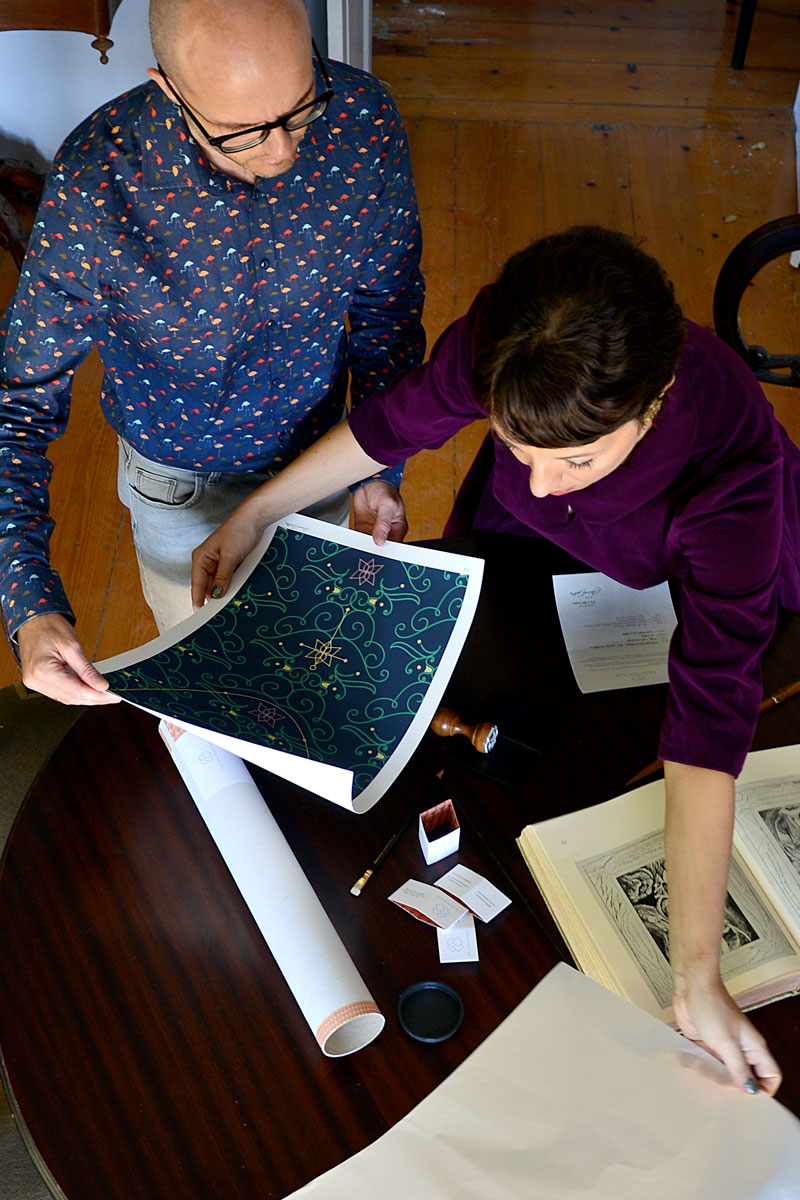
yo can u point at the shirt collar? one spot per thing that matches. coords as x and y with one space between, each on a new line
171 158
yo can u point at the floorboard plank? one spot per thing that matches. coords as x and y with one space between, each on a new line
540 44
475 82
597 189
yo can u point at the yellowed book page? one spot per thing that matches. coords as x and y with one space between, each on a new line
767 832
610 900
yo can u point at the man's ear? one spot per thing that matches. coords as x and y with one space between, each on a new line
158 78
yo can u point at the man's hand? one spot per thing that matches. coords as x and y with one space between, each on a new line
53 663
378 509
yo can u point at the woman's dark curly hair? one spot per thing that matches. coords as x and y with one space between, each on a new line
580 334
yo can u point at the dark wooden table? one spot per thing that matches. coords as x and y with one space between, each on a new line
151 1046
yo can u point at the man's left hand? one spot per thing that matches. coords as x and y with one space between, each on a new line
378 509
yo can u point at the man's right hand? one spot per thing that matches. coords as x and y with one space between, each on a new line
53 663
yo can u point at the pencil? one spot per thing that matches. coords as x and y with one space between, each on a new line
771 701
361 883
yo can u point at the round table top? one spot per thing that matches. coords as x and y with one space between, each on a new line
150 1044
149 1040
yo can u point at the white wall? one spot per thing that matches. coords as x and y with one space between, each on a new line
49 80
349 31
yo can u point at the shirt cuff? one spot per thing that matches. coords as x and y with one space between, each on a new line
392 475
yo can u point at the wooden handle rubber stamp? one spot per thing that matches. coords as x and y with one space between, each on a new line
447 723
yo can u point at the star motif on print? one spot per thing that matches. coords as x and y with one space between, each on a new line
267 714
367 570
323 654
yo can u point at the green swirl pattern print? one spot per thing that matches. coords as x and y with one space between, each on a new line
326 652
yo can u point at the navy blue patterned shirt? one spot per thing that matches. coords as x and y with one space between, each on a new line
227 314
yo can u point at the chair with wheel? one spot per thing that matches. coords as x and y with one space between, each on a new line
753 253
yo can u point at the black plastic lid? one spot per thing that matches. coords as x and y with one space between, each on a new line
430 1012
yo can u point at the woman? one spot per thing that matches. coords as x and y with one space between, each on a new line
643 446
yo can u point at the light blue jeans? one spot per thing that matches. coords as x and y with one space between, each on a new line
173 510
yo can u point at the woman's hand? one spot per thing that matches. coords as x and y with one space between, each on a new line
215 560
698 833
332 463
707 1015
53 663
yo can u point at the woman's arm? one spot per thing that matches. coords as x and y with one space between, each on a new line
332 463
699 830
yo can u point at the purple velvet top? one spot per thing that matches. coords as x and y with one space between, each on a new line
709 496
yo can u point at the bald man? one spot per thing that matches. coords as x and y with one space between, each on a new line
239 237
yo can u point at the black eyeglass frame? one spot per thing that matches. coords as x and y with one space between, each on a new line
263 131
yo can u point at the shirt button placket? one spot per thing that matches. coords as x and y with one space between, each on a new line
266 265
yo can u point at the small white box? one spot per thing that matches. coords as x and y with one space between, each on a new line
439 832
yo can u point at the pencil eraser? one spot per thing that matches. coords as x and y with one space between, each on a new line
439 832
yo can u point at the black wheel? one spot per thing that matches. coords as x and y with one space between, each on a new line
760 247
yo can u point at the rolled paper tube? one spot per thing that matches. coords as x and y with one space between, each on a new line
448 724
320 973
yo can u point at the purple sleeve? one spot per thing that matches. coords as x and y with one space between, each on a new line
730 535
426 407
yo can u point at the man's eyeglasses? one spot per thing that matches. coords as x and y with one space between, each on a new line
245 139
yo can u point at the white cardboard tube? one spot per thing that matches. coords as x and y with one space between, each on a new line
315 964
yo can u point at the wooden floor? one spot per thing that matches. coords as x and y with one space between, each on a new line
523 118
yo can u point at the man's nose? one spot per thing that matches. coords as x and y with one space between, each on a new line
279 143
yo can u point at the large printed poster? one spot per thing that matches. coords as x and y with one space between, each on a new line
324 664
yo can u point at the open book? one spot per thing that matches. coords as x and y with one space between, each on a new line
601 872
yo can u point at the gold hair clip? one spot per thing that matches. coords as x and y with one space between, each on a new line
652 411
